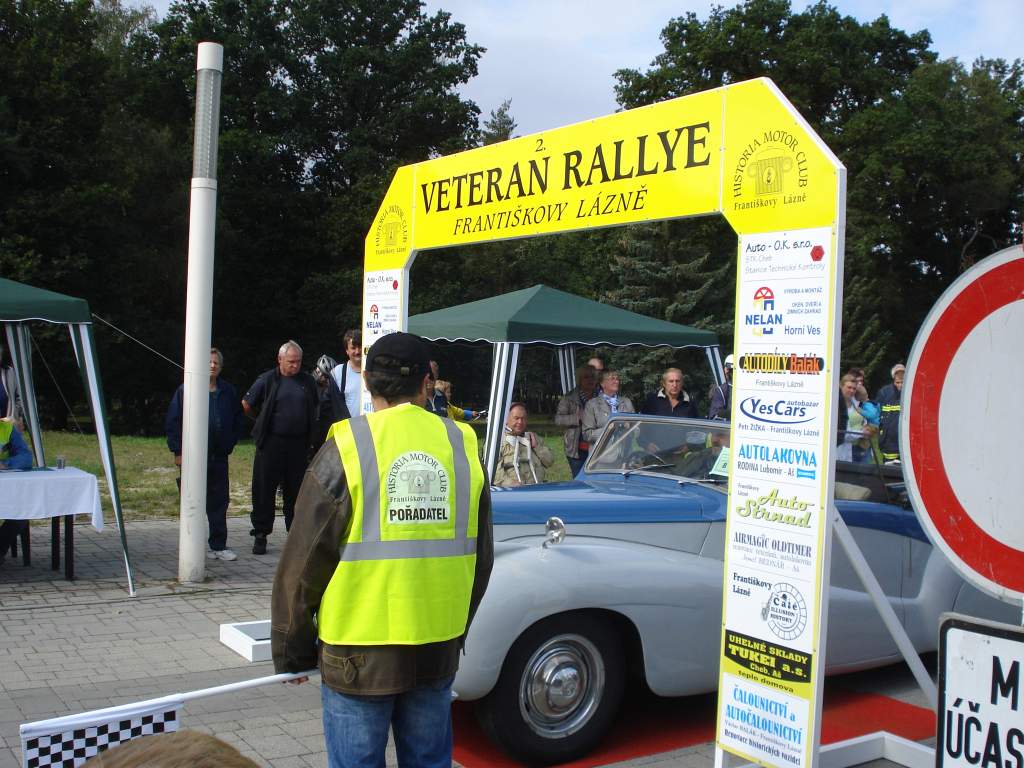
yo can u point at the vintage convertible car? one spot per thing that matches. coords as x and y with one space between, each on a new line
634 589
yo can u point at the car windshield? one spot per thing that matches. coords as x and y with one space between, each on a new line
682 448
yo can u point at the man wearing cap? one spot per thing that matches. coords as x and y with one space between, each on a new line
385 566
889 400
721 394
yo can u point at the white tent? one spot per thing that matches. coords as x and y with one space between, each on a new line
21 304
542 315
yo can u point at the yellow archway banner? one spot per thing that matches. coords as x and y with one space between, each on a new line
738 150
742 151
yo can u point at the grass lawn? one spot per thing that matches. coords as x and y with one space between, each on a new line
146 470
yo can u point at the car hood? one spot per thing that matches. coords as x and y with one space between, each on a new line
608 498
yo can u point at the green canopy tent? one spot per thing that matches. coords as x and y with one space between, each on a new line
542 315
21 304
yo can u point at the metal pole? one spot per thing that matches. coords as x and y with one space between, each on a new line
889 618
198 315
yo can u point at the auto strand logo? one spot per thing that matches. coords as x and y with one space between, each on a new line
774 508
782 362
764 318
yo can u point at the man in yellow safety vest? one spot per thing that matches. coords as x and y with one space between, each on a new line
385 564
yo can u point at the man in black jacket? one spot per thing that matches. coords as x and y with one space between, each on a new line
284 402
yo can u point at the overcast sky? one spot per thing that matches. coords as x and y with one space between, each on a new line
555 58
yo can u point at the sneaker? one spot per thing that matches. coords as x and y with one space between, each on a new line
211 554
259 545
226 554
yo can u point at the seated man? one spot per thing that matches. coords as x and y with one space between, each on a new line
14 454
523 458
699 463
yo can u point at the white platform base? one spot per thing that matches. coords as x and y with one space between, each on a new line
880 745
250 639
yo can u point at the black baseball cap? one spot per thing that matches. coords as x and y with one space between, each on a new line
401 353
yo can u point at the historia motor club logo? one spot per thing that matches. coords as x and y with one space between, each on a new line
781 362
801 463
392 233
785 612
418 490
764 319
771 171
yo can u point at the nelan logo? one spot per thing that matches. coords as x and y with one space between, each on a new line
771 171
778 411
781 362
374 311
764 318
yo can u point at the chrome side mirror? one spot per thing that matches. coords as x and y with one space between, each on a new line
554 531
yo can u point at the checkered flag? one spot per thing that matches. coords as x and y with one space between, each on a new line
67 742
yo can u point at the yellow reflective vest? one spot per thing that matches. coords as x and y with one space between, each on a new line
6 428
407 561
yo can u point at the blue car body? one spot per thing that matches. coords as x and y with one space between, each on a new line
635 587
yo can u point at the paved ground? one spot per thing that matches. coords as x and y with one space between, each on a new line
67 647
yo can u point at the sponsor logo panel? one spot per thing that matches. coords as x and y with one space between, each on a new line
787 255
780 415
777 460
771 660
783 311
782 552
764 722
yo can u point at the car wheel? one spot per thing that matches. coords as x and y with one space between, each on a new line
559 689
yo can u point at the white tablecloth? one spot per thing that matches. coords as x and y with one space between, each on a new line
54 493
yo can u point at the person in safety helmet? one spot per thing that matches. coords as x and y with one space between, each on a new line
331 405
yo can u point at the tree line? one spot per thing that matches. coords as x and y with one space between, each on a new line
322 101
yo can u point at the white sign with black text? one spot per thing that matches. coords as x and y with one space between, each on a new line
981 701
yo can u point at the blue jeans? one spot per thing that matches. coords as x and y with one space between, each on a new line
356 727
575 465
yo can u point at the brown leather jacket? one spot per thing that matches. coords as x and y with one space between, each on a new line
323 511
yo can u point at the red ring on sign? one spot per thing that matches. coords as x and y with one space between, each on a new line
987 556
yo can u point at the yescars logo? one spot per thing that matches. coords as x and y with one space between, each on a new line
778 411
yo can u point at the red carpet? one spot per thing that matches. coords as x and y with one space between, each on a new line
650 725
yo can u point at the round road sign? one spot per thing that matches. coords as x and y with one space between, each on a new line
962 424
